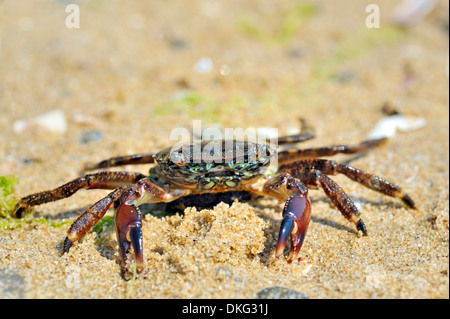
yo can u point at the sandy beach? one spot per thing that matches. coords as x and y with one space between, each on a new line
132 71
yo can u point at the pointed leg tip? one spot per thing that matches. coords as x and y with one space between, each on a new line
19 210
362 227
408 201
18 213
67 245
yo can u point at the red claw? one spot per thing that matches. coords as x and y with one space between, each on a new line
129 233
296 217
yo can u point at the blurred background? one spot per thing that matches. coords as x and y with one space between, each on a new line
137 69
115 77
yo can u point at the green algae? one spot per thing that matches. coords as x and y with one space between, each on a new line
8 199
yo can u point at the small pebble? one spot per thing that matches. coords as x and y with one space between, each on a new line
296 52
27 160
11 284
280 293
203 65
91 136
178 44
345 76
389 109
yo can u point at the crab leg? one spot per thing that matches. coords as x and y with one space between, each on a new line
129 218
307 133
100 180
341 201
302 170
376 183
314 172
145 158
296 155
128 224
89 218
310 174
291 139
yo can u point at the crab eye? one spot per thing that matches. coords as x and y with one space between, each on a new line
177 159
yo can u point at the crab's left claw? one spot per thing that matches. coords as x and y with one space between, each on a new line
296 217
129 233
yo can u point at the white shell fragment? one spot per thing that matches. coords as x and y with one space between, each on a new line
53 121
203 65
389 125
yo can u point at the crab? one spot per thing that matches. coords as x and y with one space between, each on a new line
179 173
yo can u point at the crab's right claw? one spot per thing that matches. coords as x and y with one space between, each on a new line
129 234
296 217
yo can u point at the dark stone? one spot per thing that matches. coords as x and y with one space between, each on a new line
91 136
11 284
280 293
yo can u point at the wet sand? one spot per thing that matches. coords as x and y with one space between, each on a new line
128 76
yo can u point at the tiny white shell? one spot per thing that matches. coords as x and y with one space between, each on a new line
53 121
389 125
